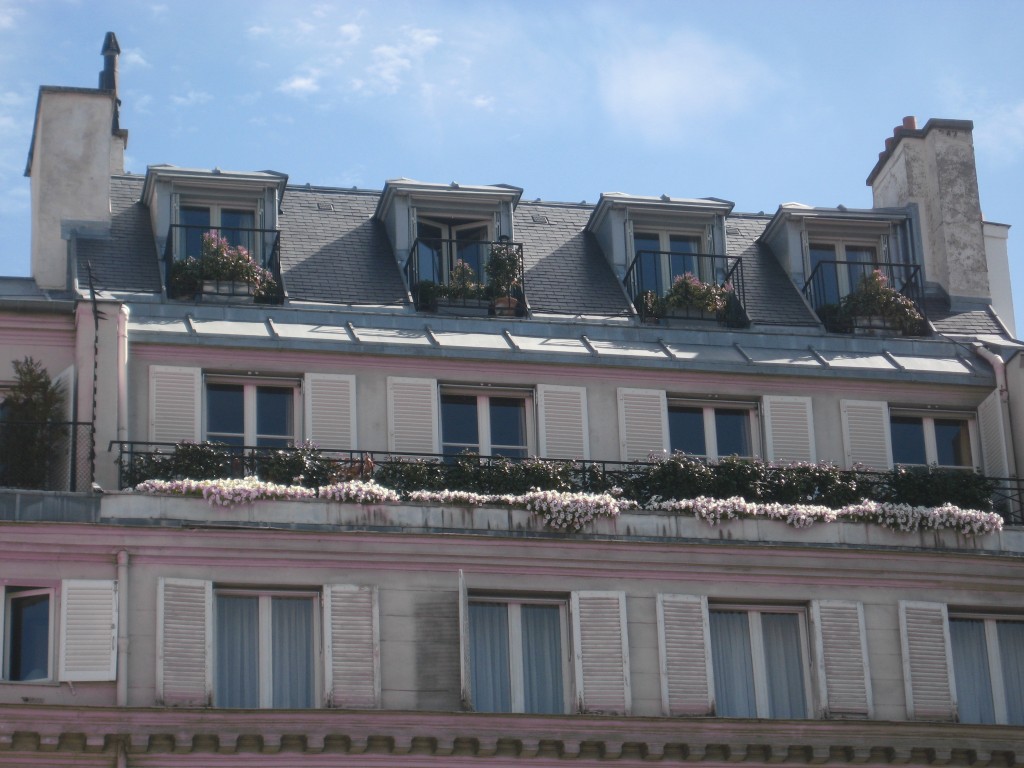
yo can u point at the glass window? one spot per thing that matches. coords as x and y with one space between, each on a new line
225 413
275 414
907 440
517 656
927 440
686 430
759 663
988 666
236 225
824 275
710 431
265 650
647 247
661 257
28 642
250 414
491 425
952 443
459 428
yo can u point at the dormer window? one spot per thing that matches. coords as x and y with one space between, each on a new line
233 222
842 264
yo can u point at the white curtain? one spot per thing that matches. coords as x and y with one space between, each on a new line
488 652
971 669
237 660
1011 653
784 668
731 662
542 659
292 652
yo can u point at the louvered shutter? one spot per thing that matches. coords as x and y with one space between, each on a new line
175 397
412 415
789 429
465 670
184 642
993 437
684 642
866 438
643 423
330 410
844 684
88 630
563 429
927 661
351 646
601 652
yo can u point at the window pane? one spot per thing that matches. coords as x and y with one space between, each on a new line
1011 654
648 268
458 424
864 264
542 659
508 426
274 417
971 671
196 221
686 430
784 666
732 428
225 413
238 682
237 227
30 637
681 261
907 440
826 279
469 246
732 665
953 443
292 652
488 653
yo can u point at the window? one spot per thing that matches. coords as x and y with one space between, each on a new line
518 652
840 267
441 245
235 224
945 441
661 257
251 414
759 662
266 649
493 424
28 641
711 431
988 666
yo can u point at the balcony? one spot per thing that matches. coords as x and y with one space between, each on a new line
46 456
223 265
694 286
467 276
857 297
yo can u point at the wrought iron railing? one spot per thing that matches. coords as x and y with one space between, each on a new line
650 279
50 456
186 241
832 281
458 273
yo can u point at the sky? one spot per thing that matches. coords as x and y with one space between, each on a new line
759 103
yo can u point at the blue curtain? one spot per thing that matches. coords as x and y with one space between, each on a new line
1011 653
488 652
542 659
971 669
238 682
731 663
292 652
784 667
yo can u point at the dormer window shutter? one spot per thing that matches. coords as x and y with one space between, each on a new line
412 231
497 225
709 237
885 249
805 254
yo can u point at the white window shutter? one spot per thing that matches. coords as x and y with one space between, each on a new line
184 643
465 668
927 661
866 437
563 430
789 429
601 652
330 410
841 655
643 423
175 404
412 415
995 462
88 630
351 646
684 643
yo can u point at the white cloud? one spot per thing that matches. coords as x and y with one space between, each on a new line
483 102
192 98
11 99
132 57
257 31
350 34
999 131
8 15
300 85
390 62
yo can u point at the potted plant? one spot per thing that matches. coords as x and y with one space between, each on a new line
504 267
463 283
222 270
874 304
427 294
690 292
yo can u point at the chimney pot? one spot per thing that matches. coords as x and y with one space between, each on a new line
910 123
890 142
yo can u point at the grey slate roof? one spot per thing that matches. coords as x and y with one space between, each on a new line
969 323
127 260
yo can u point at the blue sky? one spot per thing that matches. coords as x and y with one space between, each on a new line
755 102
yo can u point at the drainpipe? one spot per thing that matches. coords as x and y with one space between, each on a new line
999 367
122 628
122 373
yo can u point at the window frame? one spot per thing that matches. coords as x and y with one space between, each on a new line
265 649
840 243
250 385
928 419
665 235
448 254
485 443
217 205
26 591
754 612
996 678
710 426
514 604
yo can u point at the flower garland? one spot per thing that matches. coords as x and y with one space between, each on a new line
570 512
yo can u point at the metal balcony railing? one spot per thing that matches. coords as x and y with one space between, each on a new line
456 273
186 241
50 456
832 281
650 279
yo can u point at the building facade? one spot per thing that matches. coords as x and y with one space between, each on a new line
425 320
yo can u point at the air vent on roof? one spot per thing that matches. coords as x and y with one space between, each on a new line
732 230
539 219
325 206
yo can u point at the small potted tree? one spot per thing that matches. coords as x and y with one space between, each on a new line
504 268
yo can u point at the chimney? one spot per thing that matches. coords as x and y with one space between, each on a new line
934 168
108 76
